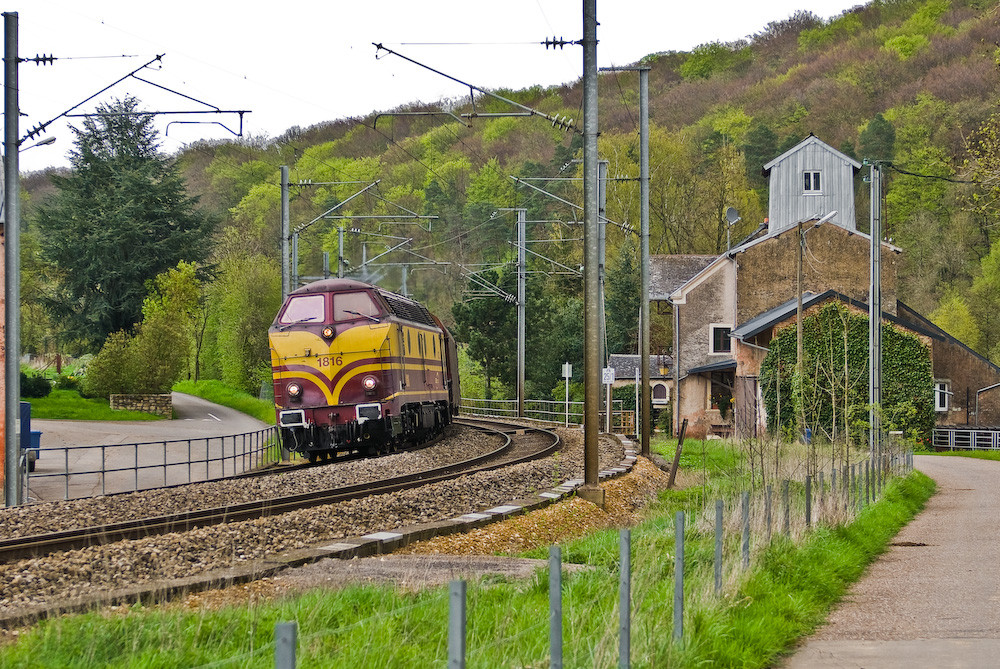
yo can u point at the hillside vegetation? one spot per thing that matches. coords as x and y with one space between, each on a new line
912 81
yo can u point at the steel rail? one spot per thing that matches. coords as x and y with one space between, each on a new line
44 544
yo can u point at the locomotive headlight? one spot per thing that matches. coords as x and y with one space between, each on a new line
294 390
369 383
328 332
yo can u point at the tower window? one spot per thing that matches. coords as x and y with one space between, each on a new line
812 184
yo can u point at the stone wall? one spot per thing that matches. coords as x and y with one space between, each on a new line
159 405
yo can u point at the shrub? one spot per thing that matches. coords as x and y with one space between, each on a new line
35 385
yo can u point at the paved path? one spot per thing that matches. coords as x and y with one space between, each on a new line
933 600
196 423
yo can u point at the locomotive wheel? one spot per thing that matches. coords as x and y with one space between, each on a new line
313 457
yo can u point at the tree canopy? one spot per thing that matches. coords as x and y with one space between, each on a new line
121 217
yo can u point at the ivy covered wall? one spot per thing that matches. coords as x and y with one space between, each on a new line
835 377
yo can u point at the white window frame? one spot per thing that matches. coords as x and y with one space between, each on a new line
942 395
712 327
814 176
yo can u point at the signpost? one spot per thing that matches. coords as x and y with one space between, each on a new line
567 374
608 377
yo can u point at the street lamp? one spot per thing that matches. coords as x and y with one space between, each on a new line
44 142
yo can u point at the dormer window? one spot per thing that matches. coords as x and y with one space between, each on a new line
812 183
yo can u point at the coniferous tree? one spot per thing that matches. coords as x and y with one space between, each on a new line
120 218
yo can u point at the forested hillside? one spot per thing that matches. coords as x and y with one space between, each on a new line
912 81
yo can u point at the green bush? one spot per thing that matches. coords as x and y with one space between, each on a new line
67 382
35 385
148 362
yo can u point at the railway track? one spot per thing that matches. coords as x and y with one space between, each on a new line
531 443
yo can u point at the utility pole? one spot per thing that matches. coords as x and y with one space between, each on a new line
800 238
12 263
521 300
875 313
644 399
590 490
286 279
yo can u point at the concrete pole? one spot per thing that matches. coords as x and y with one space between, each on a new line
875 312
295 262
521 300
645 398
12 263
286 279
340 253
591 351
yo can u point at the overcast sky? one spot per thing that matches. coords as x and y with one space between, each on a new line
302 63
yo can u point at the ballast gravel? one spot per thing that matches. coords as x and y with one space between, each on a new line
89 571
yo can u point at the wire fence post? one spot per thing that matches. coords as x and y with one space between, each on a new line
767 511
555 608
679 576
624 598
456 625
718 546
745 507
808 501
285 640
787 509
822 498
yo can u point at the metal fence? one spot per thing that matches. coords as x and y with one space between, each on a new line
966 438
73 472
549 411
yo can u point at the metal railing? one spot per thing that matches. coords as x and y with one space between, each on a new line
966 438
549 411
85 471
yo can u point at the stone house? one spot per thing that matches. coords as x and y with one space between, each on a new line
727 308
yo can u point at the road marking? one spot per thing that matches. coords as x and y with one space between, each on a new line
215 417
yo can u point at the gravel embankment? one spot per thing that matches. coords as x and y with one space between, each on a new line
459 444
97 568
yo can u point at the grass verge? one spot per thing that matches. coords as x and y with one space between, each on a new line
219 393
788 590
69 405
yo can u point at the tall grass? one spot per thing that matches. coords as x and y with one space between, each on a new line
790 586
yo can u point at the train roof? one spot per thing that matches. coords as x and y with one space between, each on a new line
332 285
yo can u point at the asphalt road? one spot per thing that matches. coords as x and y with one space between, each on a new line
195 430
933 600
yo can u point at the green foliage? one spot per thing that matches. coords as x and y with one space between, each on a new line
714 58
34 385
121 217
839 29
111 370
622 301
488 326
955 317
835 377
69 405
243 302
878 139
905 46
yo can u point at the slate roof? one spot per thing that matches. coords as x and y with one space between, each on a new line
783 312
625 366
667 273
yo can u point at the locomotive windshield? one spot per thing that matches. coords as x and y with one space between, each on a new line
304 309
351 306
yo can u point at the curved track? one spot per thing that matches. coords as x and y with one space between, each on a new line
532 443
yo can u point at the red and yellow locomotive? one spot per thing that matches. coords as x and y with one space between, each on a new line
359 369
